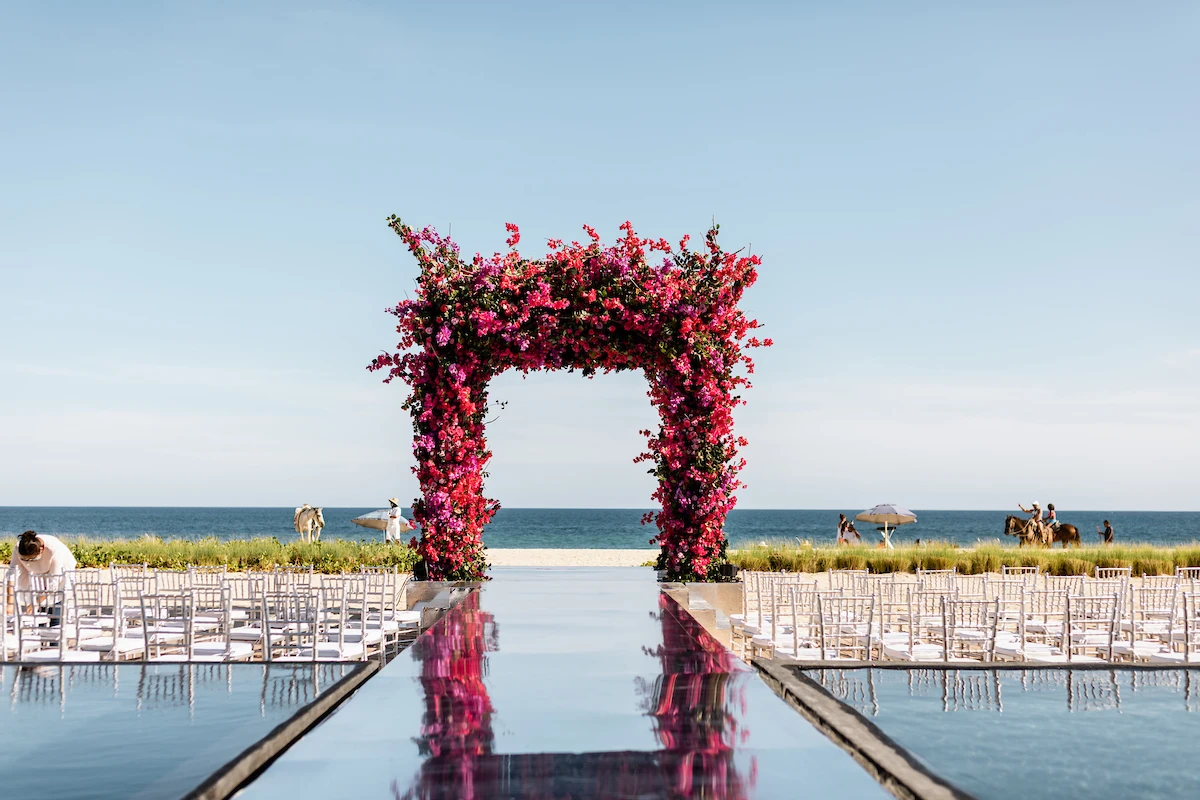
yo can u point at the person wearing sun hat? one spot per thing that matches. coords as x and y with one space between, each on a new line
396 524
1035 521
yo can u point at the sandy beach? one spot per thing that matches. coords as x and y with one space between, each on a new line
570 558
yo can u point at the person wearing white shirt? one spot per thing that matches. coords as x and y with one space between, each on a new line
40 555
396 524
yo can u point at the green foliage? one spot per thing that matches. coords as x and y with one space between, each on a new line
1071 566
1188 556
985 556
1153 566
329 556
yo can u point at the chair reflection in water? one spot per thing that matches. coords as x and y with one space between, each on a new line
47 684
688 703
1084 690
162 686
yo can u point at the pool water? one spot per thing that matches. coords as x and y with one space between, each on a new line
140 731
565 683
1098 734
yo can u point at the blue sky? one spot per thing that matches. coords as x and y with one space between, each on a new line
978 225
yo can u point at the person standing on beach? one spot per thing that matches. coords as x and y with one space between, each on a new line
396 524
1107 533
842 525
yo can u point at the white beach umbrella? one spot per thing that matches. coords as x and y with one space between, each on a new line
887 514
376 520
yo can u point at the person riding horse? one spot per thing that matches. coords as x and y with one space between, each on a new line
1035 526
1051 520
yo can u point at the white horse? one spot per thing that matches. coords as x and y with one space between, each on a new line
308 522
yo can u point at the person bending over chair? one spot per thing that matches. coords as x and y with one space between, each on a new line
39 555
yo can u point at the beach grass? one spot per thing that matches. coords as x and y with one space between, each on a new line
238 555
985 556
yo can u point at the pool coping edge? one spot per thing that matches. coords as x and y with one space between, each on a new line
235 774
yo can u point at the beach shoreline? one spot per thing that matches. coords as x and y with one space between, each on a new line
544 557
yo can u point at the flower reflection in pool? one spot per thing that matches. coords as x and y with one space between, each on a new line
688 704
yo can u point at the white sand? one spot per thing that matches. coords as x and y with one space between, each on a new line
570 558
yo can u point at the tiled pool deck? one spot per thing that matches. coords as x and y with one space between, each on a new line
574 682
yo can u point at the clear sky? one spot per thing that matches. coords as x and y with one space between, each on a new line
980 225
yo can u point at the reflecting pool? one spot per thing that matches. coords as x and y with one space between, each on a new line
134 731
1107 733
574 682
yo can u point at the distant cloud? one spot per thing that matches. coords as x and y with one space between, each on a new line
1183 357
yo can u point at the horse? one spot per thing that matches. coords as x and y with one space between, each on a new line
308 522
1065 533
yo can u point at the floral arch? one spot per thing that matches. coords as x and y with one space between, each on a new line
589 307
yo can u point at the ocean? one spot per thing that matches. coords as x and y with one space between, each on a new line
575 528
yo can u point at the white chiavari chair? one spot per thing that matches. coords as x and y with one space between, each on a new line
799 635
170 581
123 641
1041 629
291 624
920 634
44 628
970 628
1092 626
937 580
844 626
1150 627
1189 603
845 579
207 575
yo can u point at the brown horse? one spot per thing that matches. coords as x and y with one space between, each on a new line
1065 533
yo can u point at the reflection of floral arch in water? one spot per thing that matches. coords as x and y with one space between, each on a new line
689 705
456 729
587 307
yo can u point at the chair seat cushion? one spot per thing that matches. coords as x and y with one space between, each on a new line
123 646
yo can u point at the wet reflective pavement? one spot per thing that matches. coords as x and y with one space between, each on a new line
570 682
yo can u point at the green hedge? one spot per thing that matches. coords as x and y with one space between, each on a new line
329 556
983 557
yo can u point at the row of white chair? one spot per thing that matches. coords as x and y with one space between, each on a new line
1004 618
198 615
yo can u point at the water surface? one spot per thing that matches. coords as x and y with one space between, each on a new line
141 731
575 527
580 683
999 734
